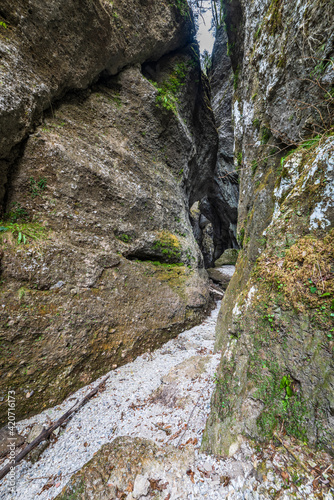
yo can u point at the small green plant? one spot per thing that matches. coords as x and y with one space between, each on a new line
265 135
239 160
206 62
16 213
270 318
116 99
3 24
169 89
257 33
254 166
126 238
24 231
307 144
286 384
182 7
37 187
321 67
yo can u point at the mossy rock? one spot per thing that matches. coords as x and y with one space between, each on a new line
228 258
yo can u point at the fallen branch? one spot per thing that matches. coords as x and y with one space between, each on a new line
47 432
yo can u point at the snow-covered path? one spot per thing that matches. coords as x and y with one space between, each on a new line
124 408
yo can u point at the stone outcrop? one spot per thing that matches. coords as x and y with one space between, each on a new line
98 258
153 472
275 328
47 50
228 258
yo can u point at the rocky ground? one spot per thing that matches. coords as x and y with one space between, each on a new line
140 438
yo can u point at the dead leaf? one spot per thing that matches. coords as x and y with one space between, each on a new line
190 473
285 475
156 486
175 435
191 441
225 480
130 487
48 485
203 472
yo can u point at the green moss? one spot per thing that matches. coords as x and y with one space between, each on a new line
236 78
241 236
254 166
302 289
273 20
126 238
281 398
265 135
169 89
168 246
75 491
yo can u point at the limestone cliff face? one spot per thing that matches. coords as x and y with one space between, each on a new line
98 258
48 49
276 324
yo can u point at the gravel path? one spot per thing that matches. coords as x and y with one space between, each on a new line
163 396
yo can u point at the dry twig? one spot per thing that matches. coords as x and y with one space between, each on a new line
47 432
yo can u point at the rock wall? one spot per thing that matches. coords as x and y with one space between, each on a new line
224 195
215 217
98 258
276 324
50 49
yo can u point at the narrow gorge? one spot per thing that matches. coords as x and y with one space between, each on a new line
132 180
